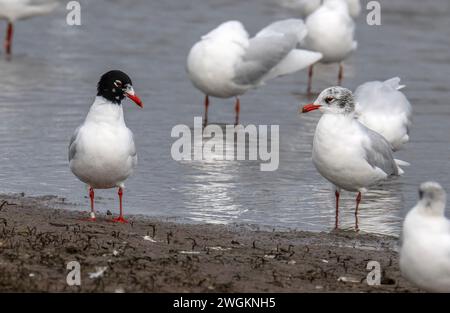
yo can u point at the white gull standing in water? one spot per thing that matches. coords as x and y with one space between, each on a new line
13 10
425 251
382 107
226 62
345 152
102 153
330 32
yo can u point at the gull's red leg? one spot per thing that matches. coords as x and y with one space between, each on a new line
337 209
237 110
91 217
310 75
120 219
8 39
358 201
341 74
205 121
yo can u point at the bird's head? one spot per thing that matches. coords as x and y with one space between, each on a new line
433 198
115 86
335 100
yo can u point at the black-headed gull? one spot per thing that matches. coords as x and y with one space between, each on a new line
382 107
425 251
102 153
226 63
13 10
330 32
306 7
345 152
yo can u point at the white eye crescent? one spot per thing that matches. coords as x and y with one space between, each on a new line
329 99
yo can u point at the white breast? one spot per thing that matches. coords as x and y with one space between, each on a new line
105 151
425 252
338 154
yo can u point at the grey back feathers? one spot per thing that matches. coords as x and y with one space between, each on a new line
262 55
379 153
73 145
267 49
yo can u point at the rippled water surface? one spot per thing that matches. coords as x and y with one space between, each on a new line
46 90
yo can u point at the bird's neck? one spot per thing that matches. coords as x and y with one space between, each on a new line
104 111
334 127
433 207
344 118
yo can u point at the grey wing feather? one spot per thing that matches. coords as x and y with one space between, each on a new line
133 152
73 145
379 153
262 55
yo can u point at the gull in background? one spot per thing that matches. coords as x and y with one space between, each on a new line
347 153
425 251
13 10
331 32
382 107
102 153
226 62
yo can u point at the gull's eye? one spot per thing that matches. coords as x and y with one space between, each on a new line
420 194
329 99
118 84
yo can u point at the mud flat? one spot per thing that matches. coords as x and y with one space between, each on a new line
38 240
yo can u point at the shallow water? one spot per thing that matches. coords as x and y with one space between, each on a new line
46 90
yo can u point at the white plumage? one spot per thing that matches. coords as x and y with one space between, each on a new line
102 153
382 107
102 150
13 10
226 62
425 251
345 152
331 31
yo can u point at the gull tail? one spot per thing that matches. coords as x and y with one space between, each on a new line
394 83
295 61
401 163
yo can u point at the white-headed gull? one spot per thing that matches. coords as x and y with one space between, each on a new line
425 251
345 152
102 153
382 107
13 10
306 7
226 62
331 32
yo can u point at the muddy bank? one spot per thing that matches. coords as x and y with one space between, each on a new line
37 241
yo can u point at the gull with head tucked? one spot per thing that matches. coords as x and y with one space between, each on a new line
13 10
382 107
226 62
